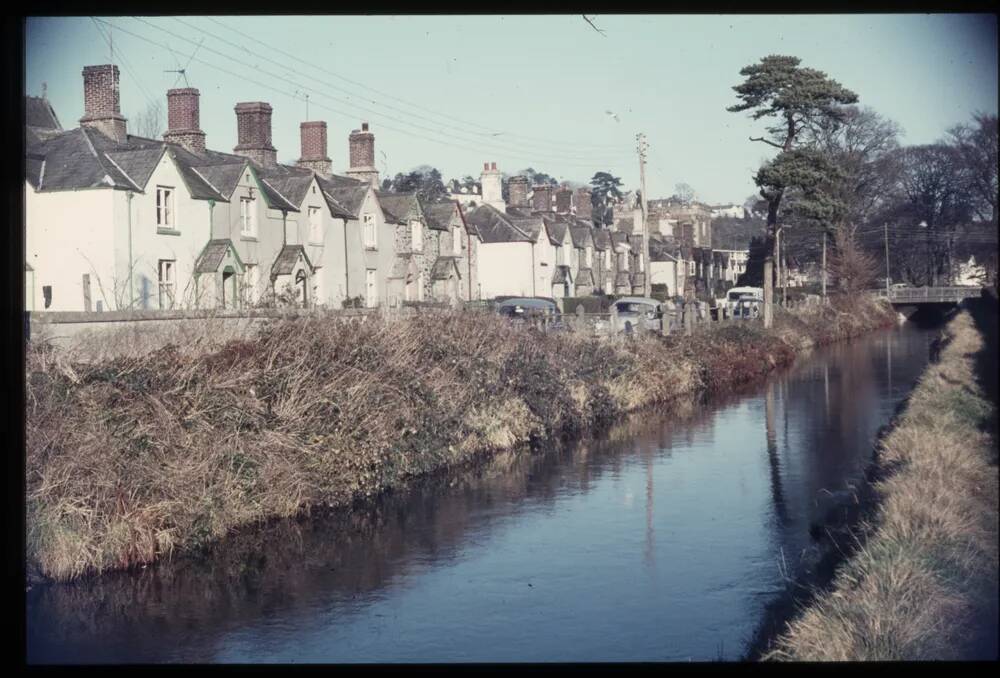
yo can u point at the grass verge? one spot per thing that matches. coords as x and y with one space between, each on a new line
131 458
924 576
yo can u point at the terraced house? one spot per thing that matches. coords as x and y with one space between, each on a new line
116 221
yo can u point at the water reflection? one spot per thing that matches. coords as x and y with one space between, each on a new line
532 557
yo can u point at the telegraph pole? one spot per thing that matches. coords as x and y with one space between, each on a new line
642 147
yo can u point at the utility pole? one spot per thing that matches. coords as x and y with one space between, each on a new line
886 227
642 147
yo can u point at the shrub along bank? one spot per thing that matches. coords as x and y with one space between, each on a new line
923 582
132 458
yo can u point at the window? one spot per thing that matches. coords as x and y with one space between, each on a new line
248 225
315 225
589 256
559 255
420 286
456 241
371 288
607 259
164 206
623 261
370 240
165 274
416 236
691 268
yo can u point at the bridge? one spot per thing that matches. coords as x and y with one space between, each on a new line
911 296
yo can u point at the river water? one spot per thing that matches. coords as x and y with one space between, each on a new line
666 538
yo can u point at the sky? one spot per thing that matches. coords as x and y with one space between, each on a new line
542 91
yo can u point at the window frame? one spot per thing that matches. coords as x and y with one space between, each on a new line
166 283
165 207
369 228
416 236
248 221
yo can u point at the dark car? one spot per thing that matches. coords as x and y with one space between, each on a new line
530 309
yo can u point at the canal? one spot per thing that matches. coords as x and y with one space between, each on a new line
665 538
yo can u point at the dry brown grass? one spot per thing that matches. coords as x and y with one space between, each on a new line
131 458
914 587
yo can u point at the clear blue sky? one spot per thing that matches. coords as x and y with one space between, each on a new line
542 84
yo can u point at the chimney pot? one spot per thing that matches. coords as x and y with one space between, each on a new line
364 127
253 133
183 119
101 104
486 167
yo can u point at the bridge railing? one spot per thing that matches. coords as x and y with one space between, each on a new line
930 294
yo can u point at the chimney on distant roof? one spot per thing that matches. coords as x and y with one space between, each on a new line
361 152
492 186
517 188
581 203
101 105
253 133
314 147
564 198
542 199
183 119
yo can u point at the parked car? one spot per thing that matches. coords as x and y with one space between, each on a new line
525 309
747 307
736 294
638 314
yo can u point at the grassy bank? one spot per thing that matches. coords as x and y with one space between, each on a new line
133 457
925 576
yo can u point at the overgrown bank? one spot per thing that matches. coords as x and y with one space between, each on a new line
923 582
132 458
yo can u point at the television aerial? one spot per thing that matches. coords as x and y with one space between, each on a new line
182 72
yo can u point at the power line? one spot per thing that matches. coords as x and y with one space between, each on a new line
485 130
553 156
349 116
149 99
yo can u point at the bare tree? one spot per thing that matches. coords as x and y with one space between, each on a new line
853 269
149 123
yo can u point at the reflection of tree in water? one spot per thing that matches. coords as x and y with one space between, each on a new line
333 556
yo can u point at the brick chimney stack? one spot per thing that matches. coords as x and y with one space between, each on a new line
581 203
564 198
314 155
361 147
183 119
101 104
492 183
518 189
542 199
253 133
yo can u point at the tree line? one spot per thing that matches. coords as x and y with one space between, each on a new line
841 172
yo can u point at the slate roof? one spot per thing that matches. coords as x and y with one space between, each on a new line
397 207
439 215
618 239
624 224
345 192
556 228
585 276
494 226
662 249
211 257
562 274
285 262
39 114
582 236
443 268
602 239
